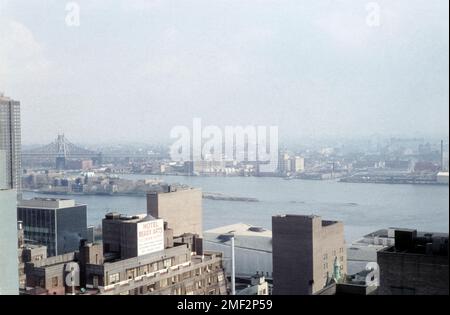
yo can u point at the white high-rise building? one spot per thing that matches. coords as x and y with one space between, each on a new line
10 144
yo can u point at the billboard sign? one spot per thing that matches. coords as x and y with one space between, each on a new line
150 236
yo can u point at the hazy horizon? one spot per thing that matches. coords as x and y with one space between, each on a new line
133 69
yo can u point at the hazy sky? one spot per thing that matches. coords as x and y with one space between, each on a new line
134 69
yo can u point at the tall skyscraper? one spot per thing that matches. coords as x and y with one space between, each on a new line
10 143
308 253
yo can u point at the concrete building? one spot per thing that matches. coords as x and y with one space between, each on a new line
84 165
125 235
10 144
9 280
258 286
253 249
298 164
364 250
59 224
307 253
179 268
27 253
416 265
180 207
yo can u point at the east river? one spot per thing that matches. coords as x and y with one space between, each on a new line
362 207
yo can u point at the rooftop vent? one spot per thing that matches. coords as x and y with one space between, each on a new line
225 237
257 229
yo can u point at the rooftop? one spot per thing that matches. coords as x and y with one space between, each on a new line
48 203
171 189
409 241
307 217
241 229
115 216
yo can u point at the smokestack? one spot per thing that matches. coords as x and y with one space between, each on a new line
442 155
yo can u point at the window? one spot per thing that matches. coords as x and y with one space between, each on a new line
131 273
114 278
54 282
167 263
95 282
163 283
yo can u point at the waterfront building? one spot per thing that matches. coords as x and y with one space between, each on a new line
416 265
9 280
253 249
307 253
298 164
180 206
10 144
58 224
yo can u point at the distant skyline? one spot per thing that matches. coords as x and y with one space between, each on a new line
134 69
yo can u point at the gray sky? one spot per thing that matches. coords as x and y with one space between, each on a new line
135 68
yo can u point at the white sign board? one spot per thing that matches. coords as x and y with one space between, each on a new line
150 236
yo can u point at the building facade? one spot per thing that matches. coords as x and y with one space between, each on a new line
416 265
10 144
181 267
58 224
306 253
180 207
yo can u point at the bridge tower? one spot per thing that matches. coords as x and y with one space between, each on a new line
62 152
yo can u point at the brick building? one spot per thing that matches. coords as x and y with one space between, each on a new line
306 252
416 265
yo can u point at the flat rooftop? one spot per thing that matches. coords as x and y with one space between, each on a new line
167 189
241 229
48 203
307 217
122 218
385 233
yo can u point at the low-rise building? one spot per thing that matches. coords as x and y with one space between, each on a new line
180 267
253 249
308 252
364 250
416 265
58 224
258 286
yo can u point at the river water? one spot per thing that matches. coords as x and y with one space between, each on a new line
362 207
